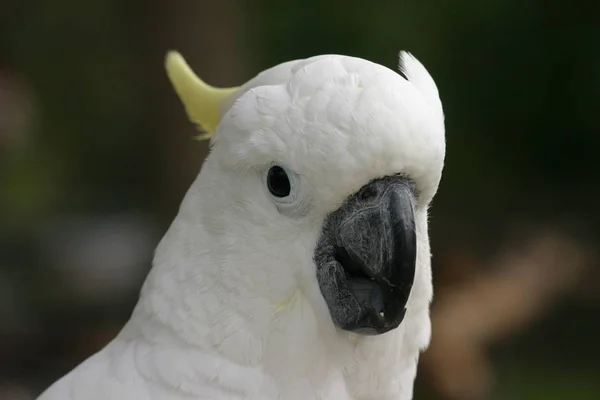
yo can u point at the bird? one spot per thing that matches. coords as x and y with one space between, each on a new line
298 266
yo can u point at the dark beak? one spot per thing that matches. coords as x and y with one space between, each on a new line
366 257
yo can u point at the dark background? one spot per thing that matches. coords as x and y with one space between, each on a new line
96 154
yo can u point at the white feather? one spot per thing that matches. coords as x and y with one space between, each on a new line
231 308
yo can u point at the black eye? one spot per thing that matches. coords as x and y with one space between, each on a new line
278 182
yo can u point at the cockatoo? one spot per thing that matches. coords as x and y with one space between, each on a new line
298 266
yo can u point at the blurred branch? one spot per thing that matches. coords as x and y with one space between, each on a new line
13 391
208 34
470 317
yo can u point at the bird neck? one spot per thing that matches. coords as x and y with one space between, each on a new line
188 310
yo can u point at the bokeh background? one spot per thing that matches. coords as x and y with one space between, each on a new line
96 154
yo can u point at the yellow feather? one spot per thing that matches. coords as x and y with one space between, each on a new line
288 302
202 102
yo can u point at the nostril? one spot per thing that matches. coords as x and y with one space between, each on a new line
367 192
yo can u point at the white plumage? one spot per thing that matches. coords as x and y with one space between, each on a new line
232 308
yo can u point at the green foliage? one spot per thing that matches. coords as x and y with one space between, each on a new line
82 63
519 81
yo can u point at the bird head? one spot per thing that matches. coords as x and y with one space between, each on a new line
318 182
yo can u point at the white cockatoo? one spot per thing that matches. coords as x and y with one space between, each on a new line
298 266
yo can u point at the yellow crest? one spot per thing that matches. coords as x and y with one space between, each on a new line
202 102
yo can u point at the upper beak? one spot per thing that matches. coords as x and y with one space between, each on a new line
366 257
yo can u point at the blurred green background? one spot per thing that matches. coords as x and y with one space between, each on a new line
96 153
